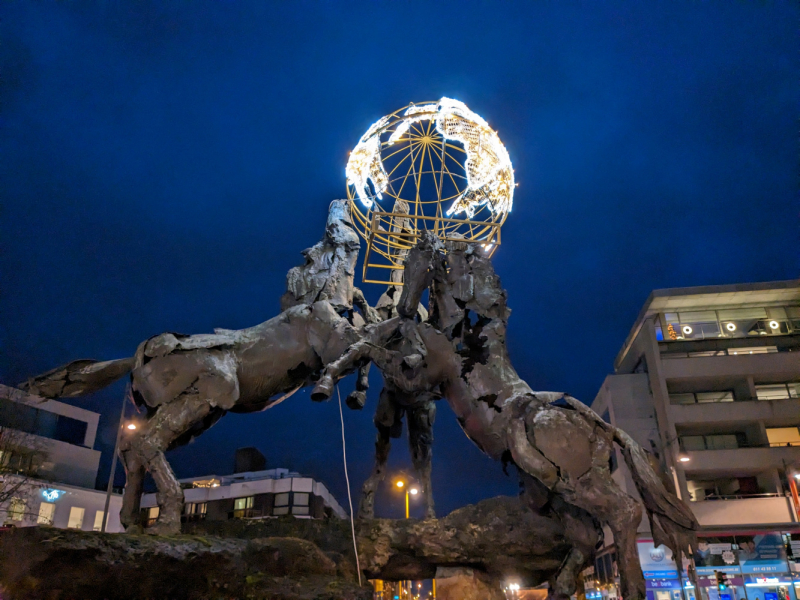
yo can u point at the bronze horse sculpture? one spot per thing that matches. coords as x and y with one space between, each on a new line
457 352
560 447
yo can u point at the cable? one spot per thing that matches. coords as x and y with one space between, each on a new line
347 479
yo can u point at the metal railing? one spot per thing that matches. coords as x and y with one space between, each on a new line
740 496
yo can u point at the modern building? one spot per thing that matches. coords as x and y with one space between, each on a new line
47 458
708 380
251 495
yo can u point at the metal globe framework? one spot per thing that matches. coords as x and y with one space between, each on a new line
435 166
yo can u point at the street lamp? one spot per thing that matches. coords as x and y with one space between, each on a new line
413 490
130 427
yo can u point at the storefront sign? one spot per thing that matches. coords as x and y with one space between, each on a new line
763 553
656 563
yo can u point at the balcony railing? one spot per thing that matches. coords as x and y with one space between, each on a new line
246 513
740 496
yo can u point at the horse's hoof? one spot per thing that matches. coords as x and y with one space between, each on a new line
323 390
356 400
164 529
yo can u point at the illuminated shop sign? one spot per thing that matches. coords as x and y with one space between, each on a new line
52 495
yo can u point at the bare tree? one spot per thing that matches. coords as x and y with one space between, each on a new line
21 458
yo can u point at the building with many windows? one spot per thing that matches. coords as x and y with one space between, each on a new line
251 495
708 380
47 458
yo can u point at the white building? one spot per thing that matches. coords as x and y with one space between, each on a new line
252 495
61 493
708 380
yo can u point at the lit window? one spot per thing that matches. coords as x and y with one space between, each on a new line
75 518
195 508
783 436
299 510
243 503
47 511
300 499
16 509
98 520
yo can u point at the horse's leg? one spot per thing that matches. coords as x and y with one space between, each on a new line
215 387
358 397
420 441
385 416
583 533
593 491
597 493
376 337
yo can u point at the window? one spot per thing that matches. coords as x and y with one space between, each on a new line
47 511
753 350
29 419
300 503
281 504
243 507
243 503
98 520
701 397
779 391
16 509
196 508
724 441
783 436
75 518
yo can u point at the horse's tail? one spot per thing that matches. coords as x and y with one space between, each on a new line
671 520
78 378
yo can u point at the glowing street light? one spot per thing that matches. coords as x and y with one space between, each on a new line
131 426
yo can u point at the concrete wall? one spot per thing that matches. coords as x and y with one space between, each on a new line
748 511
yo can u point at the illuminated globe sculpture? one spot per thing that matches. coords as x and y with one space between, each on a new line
436 166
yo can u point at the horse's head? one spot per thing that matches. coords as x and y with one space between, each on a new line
423 263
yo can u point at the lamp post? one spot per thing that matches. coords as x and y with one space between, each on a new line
412 490
110 487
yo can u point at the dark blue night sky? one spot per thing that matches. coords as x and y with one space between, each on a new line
163 164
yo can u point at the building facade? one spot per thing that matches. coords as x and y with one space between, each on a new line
708 381
47 458
251 495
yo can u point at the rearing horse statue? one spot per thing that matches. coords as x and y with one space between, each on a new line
560 447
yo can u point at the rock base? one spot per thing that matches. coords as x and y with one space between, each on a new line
44 563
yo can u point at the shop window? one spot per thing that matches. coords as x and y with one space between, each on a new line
47 511
75 518
16 509
98 520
